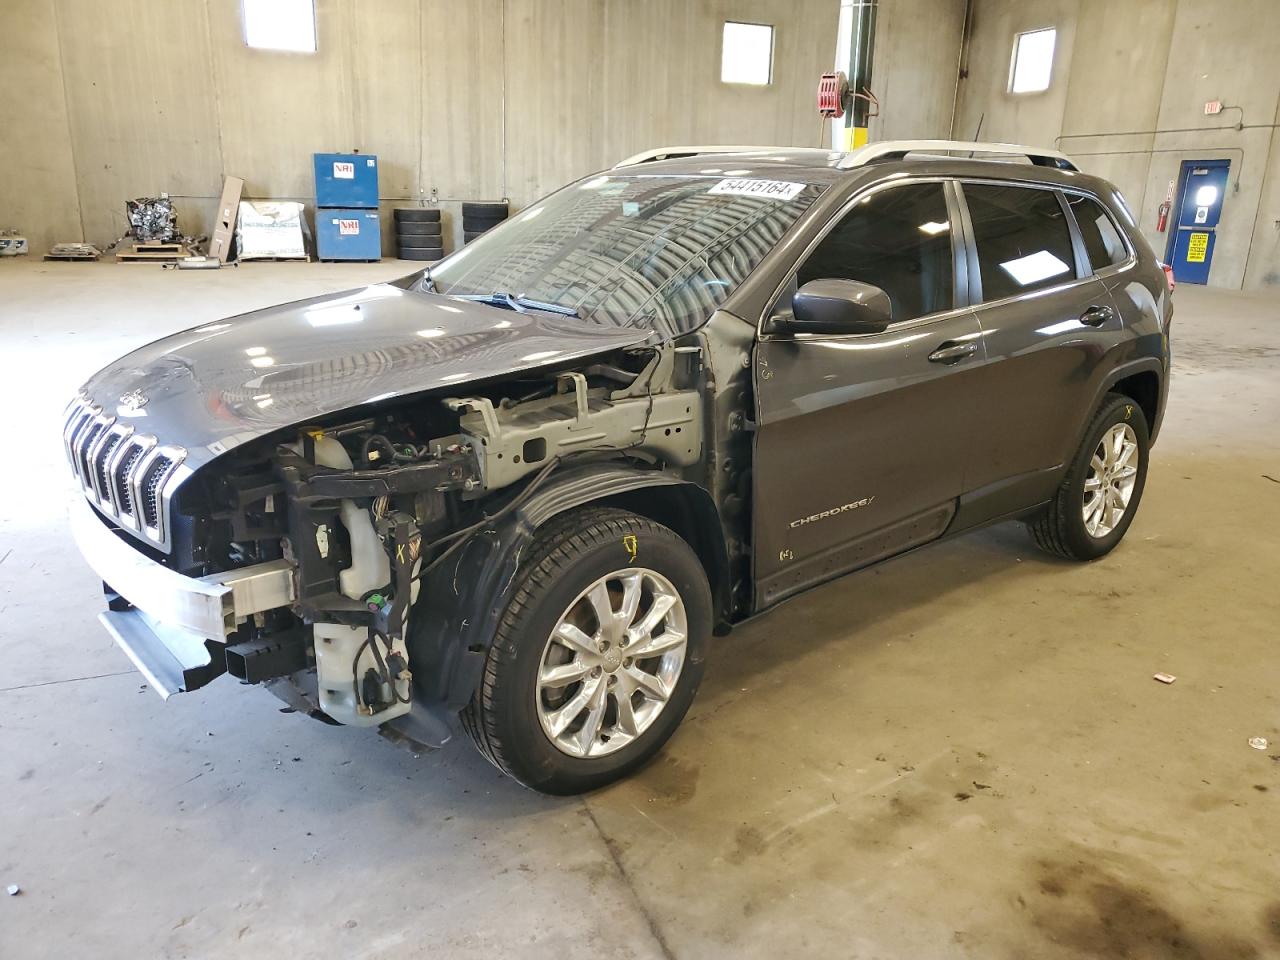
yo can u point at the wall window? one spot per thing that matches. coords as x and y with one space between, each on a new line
1022 237
1032 61
746 55
280 24
897 239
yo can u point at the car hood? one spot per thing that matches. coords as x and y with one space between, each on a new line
215 387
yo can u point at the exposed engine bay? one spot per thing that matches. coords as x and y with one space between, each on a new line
365 510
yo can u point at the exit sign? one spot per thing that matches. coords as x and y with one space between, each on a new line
1212 107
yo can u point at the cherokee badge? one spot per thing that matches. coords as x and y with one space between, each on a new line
834 511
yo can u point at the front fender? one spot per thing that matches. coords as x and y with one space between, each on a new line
456 616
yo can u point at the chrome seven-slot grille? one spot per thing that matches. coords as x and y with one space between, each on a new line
125 475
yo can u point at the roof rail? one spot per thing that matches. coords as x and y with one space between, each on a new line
897 149
668 153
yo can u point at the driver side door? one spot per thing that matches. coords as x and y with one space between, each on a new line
862 438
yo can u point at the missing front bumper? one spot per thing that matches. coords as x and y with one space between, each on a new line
173 661
174 628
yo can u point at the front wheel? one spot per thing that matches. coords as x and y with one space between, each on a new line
1100 493
598 656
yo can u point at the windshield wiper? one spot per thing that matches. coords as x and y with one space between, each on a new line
517 303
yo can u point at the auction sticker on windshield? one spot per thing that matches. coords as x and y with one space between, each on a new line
768 189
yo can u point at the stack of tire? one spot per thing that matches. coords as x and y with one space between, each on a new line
478 217
418 235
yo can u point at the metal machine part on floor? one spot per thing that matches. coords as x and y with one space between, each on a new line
12 244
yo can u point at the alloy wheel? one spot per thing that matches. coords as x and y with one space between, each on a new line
1108 488
611 663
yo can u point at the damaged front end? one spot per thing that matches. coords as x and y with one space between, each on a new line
351 565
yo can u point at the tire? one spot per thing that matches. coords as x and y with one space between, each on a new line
417 215
469 235
418 228
509 716
486 211
1061 527
420 253
482 223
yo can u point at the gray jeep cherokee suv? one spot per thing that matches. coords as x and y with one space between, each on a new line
526 485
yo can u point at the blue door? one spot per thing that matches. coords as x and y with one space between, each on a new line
1203 188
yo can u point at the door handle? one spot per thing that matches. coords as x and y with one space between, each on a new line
1096 316
952 352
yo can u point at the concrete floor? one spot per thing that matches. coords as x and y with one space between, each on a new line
959 754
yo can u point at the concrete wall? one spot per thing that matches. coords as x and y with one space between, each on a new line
914 70
482 99
460 99
1148 65
38 185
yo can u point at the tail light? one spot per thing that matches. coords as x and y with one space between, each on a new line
1168 310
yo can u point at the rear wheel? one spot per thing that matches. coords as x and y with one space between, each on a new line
1099 496
598 656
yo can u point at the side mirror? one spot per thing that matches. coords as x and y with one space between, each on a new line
839 306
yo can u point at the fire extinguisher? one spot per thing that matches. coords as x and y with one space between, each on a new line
1162 211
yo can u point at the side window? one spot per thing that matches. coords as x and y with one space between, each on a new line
1022 238
898 239
1102 240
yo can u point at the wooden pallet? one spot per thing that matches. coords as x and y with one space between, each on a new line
143 252
72 258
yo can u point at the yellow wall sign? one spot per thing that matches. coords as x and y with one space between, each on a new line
1197 247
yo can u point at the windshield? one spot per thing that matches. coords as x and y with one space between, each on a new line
653 252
